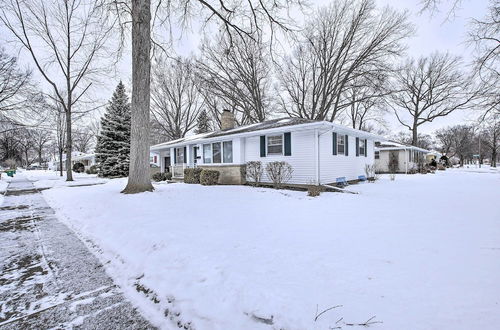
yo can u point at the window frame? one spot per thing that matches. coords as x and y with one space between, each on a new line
282 144
222 153
340 137
377 154
177 156
362 146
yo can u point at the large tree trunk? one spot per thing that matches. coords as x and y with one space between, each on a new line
414 131
139 177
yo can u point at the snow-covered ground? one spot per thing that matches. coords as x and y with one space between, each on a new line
420 252
49 179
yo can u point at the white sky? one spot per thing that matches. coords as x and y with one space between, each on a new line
433 34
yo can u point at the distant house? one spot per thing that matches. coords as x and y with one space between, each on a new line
86 159
319 151
404 158
433 154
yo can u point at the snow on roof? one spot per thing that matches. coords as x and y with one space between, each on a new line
393 145
275 123
83 156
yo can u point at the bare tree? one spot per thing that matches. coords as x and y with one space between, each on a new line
484 36
458 141
175 97
429 88
41 138
237 72
83 138
341 44
68 42
234 17
13 82
367 103
490 137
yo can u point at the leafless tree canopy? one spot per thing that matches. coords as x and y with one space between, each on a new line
429 88
341 43
68 43
176 100
13 82
235 74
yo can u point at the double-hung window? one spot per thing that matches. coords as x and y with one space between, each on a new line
207 153
275 145
179 155
216 153
340 144
362 147
377 154
227 151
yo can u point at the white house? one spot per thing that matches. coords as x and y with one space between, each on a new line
86 159
319 151
405 157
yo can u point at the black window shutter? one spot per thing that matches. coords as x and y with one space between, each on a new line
262 146
185 155
334 142
288 144
175 155
366 148
357 146
346 145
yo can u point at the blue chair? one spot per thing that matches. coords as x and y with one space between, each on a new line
362 178
341 182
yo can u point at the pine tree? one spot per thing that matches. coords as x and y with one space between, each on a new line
203 123
113 143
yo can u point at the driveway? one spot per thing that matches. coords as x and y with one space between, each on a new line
48 277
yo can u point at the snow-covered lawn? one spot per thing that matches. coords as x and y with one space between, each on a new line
49 179
420 252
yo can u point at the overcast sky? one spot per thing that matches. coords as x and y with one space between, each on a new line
434 33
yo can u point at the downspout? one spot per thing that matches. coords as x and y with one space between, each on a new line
316 151
407 160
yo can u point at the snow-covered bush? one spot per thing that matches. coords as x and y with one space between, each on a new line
92 170
209 177
161 176
254 171
78 167
371 172
392 176
192 175
279 173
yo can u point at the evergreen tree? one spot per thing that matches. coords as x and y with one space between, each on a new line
203 123
113 143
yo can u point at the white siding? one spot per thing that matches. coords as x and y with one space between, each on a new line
334 166
302 158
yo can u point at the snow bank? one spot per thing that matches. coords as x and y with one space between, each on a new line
420 252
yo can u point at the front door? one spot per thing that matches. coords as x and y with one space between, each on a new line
167 164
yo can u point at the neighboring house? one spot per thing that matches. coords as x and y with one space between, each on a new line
405 157
319 151
86 159
154 160
433 154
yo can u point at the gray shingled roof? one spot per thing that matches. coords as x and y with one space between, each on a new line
274 123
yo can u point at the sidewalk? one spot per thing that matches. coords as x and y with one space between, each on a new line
48 277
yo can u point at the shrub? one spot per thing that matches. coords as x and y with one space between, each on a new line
279 173
92 170
209 177
254 171
192 175
392 176
78 167
314 190
161 176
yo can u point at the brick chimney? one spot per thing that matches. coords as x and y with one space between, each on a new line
226 120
